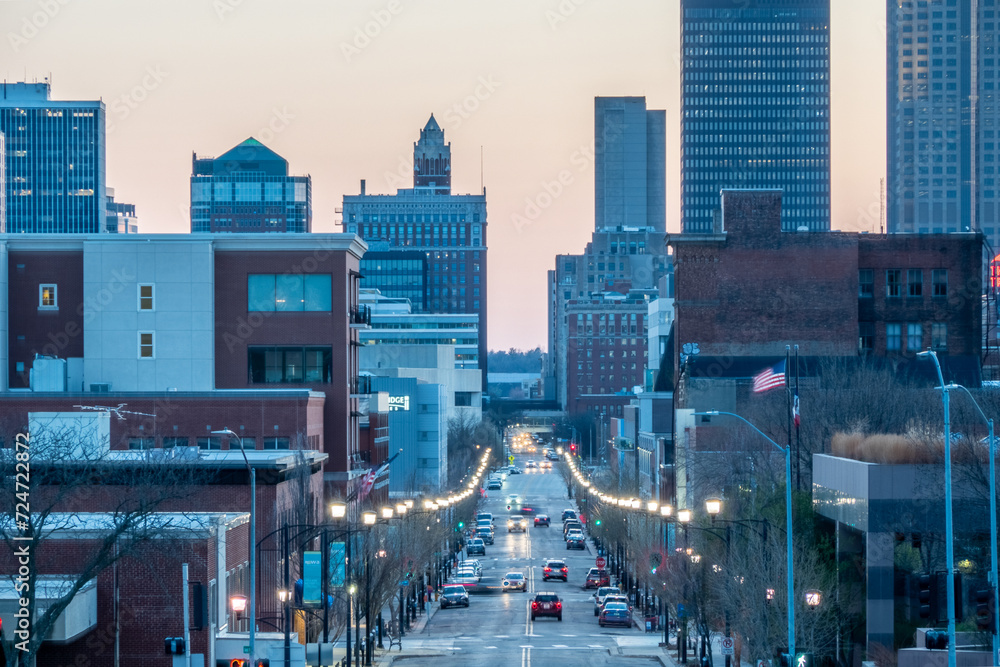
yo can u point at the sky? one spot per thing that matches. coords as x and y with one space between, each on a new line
341 88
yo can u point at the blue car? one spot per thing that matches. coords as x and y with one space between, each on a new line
615 613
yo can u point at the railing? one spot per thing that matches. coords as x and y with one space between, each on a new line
361 385
361 315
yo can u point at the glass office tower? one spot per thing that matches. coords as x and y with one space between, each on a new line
55 161
755 107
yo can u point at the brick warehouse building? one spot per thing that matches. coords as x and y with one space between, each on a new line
749 289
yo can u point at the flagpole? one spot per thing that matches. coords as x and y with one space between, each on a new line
788 396
798 440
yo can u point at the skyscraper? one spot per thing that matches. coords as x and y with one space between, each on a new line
755 107
449 229
248 189
55 161
630 163
943 118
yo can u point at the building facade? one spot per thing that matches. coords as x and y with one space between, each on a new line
629 163
248 189
55 161
942 117
755 106
449 229
396 274
120 216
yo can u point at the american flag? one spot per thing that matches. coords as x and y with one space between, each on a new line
369 480
769 378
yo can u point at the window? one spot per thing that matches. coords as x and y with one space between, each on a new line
893 280
914 337
866 283
939 282
866 337
893 336
271 292
47 297
146 345
145 297
914 282
939 336
463 399
275 443
141 443
212 442
290 365
249 442
171 442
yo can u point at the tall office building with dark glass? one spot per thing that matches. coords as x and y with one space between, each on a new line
755 107
55 161
943 117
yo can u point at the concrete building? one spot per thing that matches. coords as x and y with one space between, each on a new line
248 189
755 107
55 161
393 323
629 164
449 229
120 216
942 117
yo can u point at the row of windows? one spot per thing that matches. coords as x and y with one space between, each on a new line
281 292
810 187
421 230
777 126
418 341
895 287
48 296
795 142
766 51
412 217
439 304
289 365
169 442
213 190
758 112
894 341
610 367
808 168
750 37
797 101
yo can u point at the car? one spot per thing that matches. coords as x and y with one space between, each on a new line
572 532
614 613
530 464
518 523
545 464
546 604
555 569
494 484
577 541
597 577
484 523
568 514
552 456
542 520
515 580
454 595
484 515
514 470
601 594
617 597
476 547
513 499
462 572
485 534
570 526
467 579
476 566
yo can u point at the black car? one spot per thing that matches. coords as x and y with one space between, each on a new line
555 569
476 547
541 520
454 596
546 604
576 542
568 514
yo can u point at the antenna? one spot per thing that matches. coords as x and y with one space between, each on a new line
118 412
881 210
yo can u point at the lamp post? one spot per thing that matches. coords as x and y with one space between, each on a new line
993 522
253 542
788 524
339 512
948 527
714 506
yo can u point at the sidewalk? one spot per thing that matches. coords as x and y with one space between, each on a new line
387 656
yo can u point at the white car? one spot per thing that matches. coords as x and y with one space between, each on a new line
475 565
468 572
515 580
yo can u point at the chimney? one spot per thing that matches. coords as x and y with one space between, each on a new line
362 187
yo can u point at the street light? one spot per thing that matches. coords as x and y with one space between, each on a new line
238 604
948 530
253 542
788 525
713 506
684 516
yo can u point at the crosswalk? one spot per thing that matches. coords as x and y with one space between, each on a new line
536 642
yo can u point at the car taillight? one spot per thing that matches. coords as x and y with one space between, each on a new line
548 569
564 570
558 605
534 605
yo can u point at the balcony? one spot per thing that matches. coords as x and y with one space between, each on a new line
361 316
361 385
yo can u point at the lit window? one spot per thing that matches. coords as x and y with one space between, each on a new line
145 297
47 297
145 344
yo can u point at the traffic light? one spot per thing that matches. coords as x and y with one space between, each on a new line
984 610
926 597
803 660
785 660
234 662
654 561
936 640
572 448
942 595
461 525
597 522
173 646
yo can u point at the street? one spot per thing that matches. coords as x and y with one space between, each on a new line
497 627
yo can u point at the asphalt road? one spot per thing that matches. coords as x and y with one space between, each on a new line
497 628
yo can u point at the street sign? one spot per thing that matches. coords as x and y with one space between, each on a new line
404 583
600 562
510 458
246 649
727 646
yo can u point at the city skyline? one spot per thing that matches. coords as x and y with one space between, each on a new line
345 99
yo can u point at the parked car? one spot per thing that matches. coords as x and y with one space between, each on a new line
572 525
476 547
614 613
517 523
617 597
555 569
494 484
542 520
546 604
475 565
568 514
484 515
601 594
597 577
515 580
576 541
454 595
